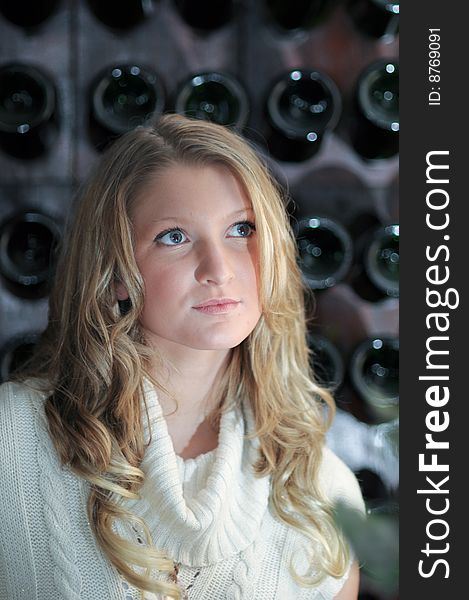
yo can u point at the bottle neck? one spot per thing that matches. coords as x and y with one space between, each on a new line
123 97
374 371
216 97
325 251
301 107
28 118
28 242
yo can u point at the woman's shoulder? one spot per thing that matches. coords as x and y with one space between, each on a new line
21 411
32 387
338 482
26 394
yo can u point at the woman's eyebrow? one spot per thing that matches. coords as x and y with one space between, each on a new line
225 218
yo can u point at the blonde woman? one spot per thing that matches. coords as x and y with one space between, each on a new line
168 440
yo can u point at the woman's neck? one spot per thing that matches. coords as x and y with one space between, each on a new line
196 388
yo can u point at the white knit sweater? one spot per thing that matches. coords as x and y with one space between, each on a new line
209 513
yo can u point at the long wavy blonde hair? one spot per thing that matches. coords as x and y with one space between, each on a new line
95 357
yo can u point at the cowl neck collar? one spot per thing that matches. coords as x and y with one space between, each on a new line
224 516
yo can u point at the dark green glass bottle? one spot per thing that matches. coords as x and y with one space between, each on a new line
325 251
217 97
375 128
377 271
302 105
28 245
375 17
123 96
28 111
374 373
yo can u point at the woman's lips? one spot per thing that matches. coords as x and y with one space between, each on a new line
215 309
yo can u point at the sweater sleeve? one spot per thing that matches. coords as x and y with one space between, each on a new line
17 572
338 482
36 553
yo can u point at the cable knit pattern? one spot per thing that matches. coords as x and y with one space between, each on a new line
66 575
243 575
209 513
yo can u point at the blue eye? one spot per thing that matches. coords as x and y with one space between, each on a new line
245 226
174 237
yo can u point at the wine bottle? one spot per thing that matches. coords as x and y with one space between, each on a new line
217 97
298 14
375 17
28 244
301 107
377 273
28 13
122 15
16 352
374 373
207 15
28 111
326 361
122 97
375 128
325 251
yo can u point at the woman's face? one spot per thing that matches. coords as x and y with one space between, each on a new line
195 241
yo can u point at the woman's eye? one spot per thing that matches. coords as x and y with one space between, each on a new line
244 228
172 237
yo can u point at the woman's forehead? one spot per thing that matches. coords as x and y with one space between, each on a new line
188 191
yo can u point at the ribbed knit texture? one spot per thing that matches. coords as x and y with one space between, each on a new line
209 513
201 528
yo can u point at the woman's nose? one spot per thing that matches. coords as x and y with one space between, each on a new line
214 265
